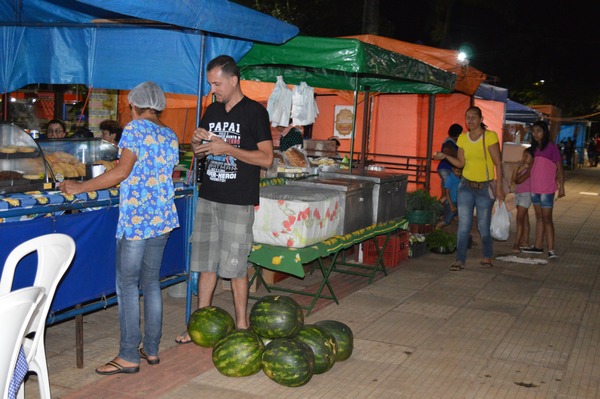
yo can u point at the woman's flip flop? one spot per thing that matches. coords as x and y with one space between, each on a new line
456 267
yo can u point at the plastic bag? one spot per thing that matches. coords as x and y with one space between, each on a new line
279 104
500 225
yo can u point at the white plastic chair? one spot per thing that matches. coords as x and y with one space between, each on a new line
16 312
55 253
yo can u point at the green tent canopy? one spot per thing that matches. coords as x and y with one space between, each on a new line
344 64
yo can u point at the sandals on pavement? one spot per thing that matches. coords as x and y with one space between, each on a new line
456 267
486 264
183 338
117 368
144 356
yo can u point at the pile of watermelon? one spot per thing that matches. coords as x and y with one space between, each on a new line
278 342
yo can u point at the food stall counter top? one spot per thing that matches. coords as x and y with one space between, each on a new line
33 204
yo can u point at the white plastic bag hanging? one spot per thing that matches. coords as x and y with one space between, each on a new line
304 105
279 104
311 105
299 109
500 225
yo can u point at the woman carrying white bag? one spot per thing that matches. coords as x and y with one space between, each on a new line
479 156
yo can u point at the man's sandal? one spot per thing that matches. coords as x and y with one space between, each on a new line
486 264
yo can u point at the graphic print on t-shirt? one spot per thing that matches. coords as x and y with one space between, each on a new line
221 168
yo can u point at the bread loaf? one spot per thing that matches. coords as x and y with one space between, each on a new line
295 157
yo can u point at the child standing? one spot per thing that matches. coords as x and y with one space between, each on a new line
547 176
520 178
450 194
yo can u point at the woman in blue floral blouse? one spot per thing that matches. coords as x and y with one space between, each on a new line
149 151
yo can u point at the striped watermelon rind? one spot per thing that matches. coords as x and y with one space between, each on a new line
343 337
238 354
276 316
288 362
323 345
208 325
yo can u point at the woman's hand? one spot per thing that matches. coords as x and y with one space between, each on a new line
500 194
70 187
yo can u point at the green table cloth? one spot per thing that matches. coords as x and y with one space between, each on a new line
290 260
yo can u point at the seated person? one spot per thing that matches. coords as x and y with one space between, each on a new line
111 131
83 133
56 129
337 145
290 136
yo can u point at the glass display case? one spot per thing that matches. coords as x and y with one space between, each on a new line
31 165
73 158
22 165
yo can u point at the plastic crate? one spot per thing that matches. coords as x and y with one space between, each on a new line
395 251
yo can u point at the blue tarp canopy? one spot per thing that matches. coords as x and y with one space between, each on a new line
117 44
492 93
513 111
520 113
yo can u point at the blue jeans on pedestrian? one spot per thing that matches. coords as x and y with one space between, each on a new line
138 266
449 214
470 199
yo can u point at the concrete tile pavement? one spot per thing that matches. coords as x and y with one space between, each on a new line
514 331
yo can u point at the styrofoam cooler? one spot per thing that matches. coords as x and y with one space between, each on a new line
296 216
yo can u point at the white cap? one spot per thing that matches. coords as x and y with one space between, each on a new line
148 95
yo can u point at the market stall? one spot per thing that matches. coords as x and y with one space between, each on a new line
100 44
415 116
348 65
360 68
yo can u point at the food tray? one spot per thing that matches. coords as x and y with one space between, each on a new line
292 175
19 155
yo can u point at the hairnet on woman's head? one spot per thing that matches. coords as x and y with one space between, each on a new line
148 95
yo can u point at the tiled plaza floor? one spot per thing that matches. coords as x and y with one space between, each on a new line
514 331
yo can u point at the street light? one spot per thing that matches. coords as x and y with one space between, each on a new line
465 52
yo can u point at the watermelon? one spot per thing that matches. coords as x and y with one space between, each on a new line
239 354
276 316
343 337
288 362
208 325
323 345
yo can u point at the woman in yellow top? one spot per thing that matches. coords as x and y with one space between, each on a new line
478 173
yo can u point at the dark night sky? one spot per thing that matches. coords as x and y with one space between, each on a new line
515 42
519 42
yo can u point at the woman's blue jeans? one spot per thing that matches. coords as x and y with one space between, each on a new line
138 266
470 199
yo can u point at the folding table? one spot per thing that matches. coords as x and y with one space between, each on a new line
291 260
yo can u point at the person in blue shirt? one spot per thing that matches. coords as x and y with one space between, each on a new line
450 195
449 147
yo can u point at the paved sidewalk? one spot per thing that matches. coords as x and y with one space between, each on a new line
514 331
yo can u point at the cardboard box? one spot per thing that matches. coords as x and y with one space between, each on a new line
272 277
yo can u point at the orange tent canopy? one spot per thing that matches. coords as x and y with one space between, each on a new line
467 78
